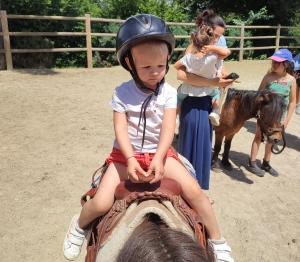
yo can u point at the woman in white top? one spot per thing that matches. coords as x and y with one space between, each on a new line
203 61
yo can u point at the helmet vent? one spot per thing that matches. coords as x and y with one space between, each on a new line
144 20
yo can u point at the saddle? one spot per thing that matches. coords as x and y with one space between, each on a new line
130 199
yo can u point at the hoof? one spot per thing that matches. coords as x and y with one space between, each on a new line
227 166
215 166
216 169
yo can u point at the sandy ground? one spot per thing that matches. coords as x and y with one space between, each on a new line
56 129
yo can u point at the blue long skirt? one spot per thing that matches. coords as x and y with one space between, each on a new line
195 136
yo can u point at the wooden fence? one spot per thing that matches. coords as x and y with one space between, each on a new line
8 51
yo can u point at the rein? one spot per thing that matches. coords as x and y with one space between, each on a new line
284 144
270 130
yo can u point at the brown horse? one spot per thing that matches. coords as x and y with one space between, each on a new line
153 241
148 215
239 106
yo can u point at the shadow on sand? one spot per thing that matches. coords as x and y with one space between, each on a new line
43 71
235 157
239 160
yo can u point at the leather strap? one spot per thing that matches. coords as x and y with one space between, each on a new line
128 192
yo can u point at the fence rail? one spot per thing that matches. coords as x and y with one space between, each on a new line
8 51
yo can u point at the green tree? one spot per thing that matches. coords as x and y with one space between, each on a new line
117 9
73 8
252 17
283 12
170 11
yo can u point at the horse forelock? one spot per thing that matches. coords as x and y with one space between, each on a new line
153 240
272 108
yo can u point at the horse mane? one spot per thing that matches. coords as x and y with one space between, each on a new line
274 105
154 241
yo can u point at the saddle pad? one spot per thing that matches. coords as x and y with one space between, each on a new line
134 216
187 165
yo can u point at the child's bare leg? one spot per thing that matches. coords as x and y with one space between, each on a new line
104 198
99 205
215 104
178 109
193 194
214 115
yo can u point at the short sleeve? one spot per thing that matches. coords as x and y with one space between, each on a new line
117 104
171 98
183 61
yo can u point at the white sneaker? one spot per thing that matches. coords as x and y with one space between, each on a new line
214 118
73 240
297 110
221 250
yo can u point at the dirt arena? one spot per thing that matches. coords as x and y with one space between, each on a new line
56 129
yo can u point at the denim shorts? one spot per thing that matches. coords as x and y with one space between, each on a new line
215 94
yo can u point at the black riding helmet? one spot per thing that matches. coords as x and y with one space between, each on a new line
140 28
136 30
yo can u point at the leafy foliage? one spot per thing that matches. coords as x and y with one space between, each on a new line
248 54
234 12
105 59
72 8
33 60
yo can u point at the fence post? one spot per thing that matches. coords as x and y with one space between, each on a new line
277 37
241 54
89 52
6 41
2 55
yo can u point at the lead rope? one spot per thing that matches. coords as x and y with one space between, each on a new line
284 144
263 139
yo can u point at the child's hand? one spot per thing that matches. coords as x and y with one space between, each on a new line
206 49
134 168
157 168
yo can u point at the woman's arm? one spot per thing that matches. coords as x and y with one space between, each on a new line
121 132
222 52
196 80
178 64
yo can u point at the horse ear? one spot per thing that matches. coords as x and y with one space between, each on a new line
260 98
266 97
263 97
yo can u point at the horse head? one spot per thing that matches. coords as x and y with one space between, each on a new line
269 114
154 240
151 213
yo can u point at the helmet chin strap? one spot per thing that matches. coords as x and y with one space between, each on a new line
139 81
144 87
